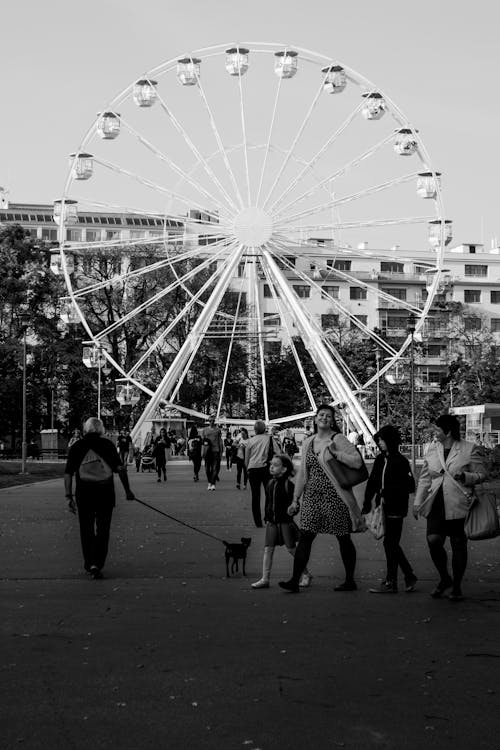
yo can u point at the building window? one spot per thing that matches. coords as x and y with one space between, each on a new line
397 322
472 324
357 292
362 319
495 325
333 291
273 348
495 298
476 270
473 351
302 290
329 321
241 271
74 235
339 264
268 292
433 350
397 293
389 266
272 319
472 296
49 234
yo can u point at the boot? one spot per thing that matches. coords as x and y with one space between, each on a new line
266 569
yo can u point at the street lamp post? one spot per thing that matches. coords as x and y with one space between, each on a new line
24 320
410 327
377 359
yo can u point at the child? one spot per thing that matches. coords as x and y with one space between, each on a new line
391 482
280 527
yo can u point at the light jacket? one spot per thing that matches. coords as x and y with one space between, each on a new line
347 454
257 450
464 457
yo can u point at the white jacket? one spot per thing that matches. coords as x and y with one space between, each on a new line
464 457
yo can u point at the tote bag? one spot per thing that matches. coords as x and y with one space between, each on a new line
482 518
345 475
375 522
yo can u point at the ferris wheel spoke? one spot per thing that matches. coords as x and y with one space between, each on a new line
284 320
294 144
363 223
260 344
159 295
323 361
189 202
182 173
182 314
220 144
338 173
152 267
231 345
196 153
335 202
190 346
310 164
245 141
268 143
277 248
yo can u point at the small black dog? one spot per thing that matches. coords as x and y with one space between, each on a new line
236 552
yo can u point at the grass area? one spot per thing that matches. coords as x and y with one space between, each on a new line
37 472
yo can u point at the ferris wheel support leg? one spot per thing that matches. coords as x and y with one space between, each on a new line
192 342
327 368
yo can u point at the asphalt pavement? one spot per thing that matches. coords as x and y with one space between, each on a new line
166 652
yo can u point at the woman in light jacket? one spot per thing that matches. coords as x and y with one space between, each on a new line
326 507
451 469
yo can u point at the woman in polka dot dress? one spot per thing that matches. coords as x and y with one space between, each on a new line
326 507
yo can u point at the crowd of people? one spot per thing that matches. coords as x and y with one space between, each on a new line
327 504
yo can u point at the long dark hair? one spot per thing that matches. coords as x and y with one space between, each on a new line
449 424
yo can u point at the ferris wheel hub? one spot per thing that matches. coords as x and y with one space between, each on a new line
253 227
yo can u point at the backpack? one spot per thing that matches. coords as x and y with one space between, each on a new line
94 469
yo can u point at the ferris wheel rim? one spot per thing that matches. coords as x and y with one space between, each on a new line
316 58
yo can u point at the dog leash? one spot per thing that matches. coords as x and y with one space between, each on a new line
177 520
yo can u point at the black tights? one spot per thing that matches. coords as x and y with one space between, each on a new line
303 552
440 558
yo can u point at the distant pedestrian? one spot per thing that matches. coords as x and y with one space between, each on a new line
124 445
290 444
91 462
212 448
160 449
228 448
281 529
390 483
77 435
258 454
240 443
194 451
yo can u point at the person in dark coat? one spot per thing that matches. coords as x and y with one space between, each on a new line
391 482
92 461
194 451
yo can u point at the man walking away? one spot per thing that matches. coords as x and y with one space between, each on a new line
92 461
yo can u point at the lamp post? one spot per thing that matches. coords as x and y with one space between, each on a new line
24 320
93 357
377 360
410 327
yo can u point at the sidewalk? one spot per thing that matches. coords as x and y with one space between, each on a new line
168 653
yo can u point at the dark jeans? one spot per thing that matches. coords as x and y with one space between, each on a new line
303 552
196 465
438 528
212 466
161 468
257 478
393 553
94 516
241 469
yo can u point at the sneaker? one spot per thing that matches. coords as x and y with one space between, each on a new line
456 595
158 480
305 580
262 584
244 486
410 584
439 590
209 487
346 586
385 588
238 487
95 573
290 586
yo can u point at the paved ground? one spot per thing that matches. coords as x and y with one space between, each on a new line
168 653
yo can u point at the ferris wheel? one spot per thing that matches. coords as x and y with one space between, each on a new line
241 187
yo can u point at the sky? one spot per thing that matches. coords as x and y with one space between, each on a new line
63 60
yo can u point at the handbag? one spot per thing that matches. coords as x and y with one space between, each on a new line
345 475
270 452
375 521
482 520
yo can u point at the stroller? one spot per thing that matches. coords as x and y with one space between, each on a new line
147 460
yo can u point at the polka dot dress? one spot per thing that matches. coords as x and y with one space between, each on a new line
323 512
